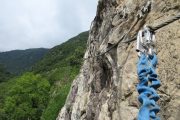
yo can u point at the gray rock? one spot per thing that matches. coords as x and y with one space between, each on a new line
105 89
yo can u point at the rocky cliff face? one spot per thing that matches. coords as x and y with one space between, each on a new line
106 86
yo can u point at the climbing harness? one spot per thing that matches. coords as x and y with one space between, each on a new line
146 70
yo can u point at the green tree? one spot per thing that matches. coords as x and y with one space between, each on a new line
27 98
76 58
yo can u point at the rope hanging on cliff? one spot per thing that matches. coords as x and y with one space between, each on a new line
148 81
153 28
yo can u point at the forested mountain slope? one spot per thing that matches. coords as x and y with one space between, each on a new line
60 66
40 93
18 61
4 75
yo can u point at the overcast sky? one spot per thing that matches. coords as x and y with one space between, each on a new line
42 23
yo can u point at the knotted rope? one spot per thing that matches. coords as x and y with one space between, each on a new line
146 69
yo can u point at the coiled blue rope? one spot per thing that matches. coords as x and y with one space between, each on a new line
146 69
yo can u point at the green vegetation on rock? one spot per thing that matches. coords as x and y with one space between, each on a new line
60 66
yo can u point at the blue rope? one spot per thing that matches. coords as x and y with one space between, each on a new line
146 69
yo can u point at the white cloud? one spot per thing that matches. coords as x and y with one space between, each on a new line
42 23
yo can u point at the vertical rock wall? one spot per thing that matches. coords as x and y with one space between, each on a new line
105 89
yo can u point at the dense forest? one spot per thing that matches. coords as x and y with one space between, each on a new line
4 74
40 93
19 61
